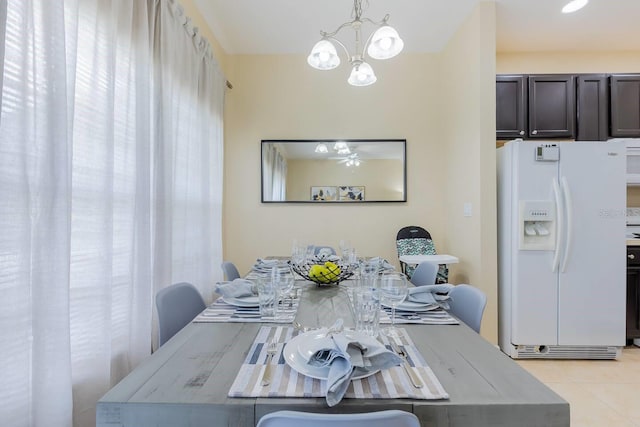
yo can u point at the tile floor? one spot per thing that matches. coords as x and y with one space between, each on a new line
601 393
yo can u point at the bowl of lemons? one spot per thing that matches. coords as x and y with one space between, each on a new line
323 272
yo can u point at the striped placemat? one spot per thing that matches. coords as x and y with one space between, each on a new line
286 382
220 312
431 317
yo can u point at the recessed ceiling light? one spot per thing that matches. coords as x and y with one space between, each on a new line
574 5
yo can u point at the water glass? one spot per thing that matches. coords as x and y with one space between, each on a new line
366 307
267 297
369 273
393 290
283 280
298 252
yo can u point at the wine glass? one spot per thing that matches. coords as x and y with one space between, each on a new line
393 290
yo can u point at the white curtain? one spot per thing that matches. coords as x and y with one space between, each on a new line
274 173
110 189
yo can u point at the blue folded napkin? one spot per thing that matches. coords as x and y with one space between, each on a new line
383 264
347 357
267 262
237 288
431 294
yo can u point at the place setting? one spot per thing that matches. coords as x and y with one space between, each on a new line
267 298
334 363
420 304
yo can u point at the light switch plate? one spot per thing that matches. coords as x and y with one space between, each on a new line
467 210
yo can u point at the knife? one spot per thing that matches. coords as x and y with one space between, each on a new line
417 383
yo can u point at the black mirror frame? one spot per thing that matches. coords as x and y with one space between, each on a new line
329 141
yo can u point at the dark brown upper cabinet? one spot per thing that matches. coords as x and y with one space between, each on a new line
552 106
592 98
625 105
511 107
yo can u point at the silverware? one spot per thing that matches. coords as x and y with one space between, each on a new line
271 351
417 383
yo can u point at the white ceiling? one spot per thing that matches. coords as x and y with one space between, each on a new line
293 26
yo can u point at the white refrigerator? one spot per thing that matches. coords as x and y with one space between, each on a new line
562 249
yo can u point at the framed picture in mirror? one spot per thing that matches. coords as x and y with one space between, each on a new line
324 194
351 193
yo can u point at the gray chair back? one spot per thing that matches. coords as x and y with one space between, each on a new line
390 418
230 271
177 306
425 274
467 303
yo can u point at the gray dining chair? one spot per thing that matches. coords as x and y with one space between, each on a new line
177 306
390 418
467 303
230 271
425 274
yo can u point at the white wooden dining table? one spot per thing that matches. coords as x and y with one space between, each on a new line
186 382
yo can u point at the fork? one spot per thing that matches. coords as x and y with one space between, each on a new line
415 380
272 349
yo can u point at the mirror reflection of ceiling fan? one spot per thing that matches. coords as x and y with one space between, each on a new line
351 160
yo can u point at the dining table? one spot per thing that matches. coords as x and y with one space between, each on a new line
189 381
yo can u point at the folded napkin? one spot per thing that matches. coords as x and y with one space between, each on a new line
326 256
431 294
346 357
267 262
384 264
237 288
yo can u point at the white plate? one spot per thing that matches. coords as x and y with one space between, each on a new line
296 356
414 306
251 301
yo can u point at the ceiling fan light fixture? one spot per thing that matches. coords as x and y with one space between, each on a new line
574 5
321 148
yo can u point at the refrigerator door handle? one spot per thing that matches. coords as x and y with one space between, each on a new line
559 226
569 207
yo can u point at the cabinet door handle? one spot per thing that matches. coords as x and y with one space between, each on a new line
631 256
521 132
535 132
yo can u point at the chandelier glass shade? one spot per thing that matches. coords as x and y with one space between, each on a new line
384 43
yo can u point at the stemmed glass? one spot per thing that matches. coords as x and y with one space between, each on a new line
393 290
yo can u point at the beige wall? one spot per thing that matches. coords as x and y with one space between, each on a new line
468 68
442 104
382 179
281 97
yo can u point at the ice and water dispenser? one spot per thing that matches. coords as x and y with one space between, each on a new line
537 225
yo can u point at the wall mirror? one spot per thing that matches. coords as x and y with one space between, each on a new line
334 171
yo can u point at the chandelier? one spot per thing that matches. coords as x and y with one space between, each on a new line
384 43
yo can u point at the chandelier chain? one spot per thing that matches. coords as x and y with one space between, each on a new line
357 8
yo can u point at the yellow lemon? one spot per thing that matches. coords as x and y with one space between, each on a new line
333 270
319 273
